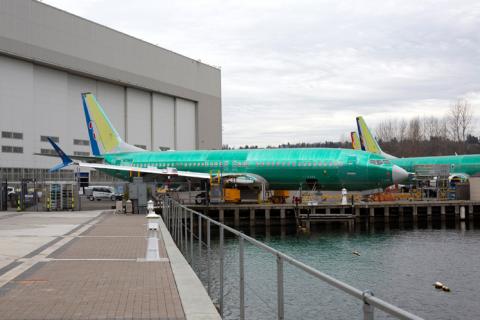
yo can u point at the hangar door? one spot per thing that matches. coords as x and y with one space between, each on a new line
138 118
185 124
163 122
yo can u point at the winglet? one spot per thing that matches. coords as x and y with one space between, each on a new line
66 160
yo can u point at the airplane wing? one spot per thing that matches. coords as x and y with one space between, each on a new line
242 178
148 170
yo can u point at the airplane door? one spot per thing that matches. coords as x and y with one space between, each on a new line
349 169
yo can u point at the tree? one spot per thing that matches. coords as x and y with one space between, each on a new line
460 120
415 130
472 139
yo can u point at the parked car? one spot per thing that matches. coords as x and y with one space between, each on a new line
105 193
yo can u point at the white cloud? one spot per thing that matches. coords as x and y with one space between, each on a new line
302 70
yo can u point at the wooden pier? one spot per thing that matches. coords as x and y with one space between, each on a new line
303 214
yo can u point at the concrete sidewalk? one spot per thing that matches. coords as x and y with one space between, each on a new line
95 271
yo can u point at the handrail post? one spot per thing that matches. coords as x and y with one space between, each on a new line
280 297
181 227
177 223
185 227
199 240
191 238
221 271
368 309
242 277
174 223
208 258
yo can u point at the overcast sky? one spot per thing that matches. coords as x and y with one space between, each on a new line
299 70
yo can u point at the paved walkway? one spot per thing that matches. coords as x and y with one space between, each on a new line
94 271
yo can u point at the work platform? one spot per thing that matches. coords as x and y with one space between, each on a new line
282 214
93 267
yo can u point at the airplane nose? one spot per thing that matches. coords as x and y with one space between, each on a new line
399 174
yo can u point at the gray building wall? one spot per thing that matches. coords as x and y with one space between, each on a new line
154 97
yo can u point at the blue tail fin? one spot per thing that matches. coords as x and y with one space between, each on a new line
66 161
91 132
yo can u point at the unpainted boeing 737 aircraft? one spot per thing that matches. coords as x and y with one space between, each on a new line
325 168
461 166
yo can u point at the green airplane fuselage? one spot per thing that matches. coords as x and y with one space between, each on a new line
462 164
331 169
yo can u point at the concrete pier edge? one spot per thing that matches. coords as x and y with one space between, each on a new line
196 302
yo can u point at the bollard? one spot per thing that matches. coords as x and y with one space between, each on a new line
129 207
152 218
344 196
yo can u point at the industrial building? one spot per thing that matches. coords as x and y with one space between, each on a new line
156 98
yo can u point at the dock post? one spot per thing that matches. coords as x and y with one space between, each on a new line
351 225
371 215
386 214
470 211
429 214
462 213
357 212
327 210
236 214
267 217
401 215
282 216
415 214
442 213
342 210
221 215
252 217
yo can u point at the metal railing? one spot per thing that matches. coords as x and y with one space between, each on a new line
180 222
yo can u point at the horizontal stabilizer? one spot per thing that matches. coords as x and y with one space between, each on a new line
66 160
94 159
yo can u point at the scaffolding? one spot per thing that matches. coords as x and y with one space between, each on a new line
431 181
60 196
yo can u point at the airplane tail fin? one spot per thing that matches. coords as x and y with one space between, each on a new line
367 140
101 129
355 141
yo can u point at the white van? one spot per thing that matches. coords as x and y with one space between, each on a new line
105 193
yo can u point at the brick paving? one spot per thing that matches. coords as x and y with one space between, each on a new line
97 289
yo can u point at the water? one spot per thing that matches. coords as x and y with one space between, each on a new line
398 265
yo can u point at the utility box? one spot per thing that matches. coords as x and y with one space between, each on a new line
462 191
137 192
231 195
119 206
475 187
